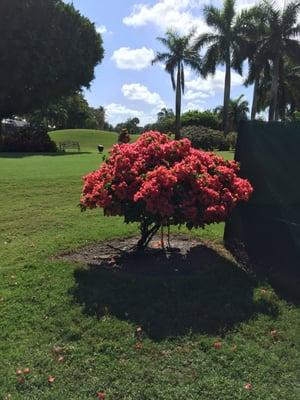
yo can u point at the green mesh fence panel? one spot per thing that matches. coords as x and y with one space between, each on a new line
269 224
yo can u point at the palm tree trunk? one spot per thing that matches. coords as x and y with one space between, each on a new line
277 115
178 104
292 108
227 95
274 90
255 98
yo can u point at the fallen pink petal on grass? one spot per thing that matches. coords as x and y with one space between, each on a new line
58 349
26 371
51 379
138 346
217 345
248 386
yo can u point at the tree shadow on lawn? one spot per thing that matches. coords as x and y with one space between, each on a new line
23 155
201 291
279 265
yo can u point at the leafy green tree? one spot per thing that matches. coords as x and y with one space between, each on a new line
223 47
131 125
165 113
47 50
108 127
209 119
97 117
180 52
65 113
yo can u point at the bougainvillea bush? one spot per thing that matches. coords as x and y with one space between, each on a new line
157 182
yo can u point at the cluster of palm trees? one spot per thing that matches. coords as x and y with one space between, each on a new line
265 36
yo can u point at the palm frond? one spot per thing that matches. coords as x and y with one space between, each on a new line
292 49
170 68
194 63
210 60
205 40
213 17
160 57
290 14
228 12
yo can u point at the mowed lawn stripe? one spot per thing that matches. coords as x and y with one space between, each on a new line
93 314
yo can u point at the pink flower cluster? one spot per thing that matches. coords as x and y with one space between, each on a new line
166 181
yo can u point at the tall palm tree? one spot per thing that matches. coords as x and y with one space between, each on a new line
252 26
289 86
223 47
180 52
280 39
288 90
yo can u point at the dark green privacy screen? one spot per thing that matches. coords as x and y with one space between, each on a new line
269 225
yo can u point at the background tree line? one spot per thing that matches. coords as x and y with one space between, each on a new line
265 35
70 112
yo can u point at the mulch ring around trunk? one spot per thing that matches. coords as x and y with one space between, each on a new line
186 256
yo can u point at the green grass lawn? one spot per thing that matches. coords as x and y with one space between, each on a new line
94 314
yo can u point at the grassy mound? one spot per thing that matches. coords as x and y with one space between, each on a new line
87 138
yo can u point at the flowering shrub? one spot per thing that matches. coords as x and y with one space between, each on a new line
157 181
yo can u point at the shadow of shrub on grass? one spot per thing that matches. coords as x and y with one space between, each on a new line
171 296
58 154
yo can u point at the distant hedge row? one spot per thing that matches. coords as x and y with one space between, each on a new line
209 139
27 139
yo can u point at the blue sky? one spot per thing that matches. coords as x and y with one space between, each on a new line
125 82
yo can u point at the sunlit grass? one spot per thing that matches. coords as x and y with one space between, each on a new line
94 315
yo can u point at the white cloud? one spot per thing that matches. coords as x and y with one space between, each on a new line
211 84
193 106
102 29
138 92
179 14
117 113
244 4
166 14
119 109
136 59
193 95
200 89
